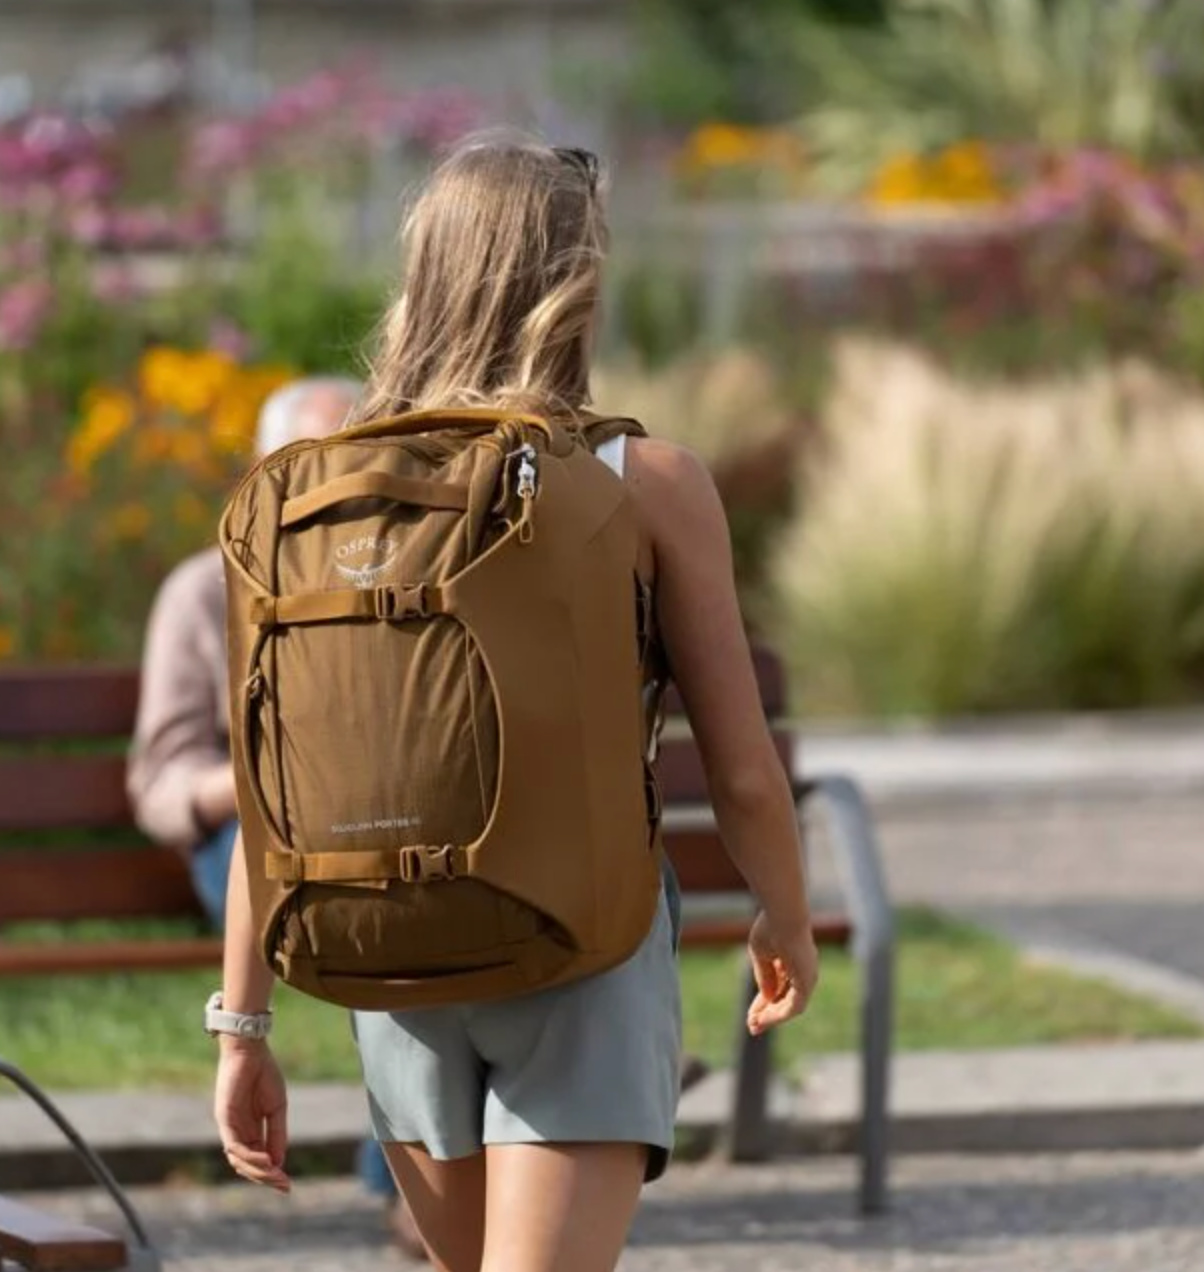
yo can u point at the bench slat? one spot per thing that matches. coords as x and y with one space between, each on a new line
44 1243
828 929
63 792
701 863
94 883
51 702
680 773
156 955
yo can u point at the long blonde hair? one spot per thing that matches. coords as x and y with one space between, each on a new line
503 253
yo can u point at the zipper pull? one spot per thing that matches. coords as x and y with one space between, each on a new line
528 481
528 474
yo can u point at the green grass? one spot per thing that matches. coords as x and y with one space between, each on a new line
957 987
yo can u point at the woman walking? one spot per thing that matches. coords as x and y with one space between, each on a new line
521 1127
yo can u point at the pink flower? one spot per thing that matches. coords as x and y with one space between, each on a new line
316 98
432 118
196 227
139 227
88 226
223 146
86 183
24 308
114 284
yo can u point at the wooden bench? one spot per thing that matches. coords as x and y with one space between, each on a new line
63 733
41 1243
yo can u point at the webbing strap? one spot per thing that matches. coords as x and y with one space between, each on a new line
416 863
374 485
389 603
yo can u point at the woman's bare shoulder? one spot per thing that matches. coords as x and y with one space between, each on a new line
659 470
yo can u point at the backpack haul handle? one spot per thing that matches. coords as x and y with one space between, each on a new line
475 419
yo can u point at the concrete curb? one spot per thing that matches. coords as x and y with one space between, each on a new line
1137 1096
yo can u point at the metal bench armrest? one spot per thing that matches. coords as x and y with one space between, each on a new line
863 882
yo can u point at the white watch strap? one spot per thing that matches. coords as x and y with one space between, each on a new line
239 1024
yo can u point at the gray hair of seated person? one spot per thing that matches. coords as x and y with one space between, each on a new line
277 425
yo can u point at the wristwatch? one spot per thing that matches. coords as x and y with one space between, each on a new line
240 1024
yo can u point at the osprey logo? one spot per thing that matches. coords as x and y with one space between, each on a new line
362 561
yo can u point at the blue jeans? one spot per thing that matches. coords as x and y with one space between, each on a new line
210 872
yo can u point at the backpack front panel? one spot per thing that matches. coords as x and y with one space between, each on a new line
363 738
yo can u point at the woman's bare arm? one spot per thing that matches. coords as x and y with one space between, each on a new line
703 632
250 1102
246 980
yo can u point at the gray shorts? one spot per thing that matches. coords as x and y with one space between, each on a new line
591 1062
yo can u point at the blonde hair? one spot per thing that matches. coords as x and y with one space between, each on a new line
503 253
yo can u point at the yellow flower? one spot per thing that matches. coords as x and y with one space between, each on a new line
8 642
723 144
962 173
900 180
720 145
266 378
129 521
181 381
159 370
108 413
232 422
236 413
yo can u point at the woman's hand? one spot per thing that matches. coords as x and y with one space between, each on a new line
786 969
251 1106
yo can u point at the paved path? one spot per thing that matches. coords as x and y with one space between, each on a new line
1123 873
1105 1213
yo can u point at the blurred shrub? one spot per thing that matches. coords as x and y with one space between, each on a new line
723 406
652 313
1121 74
296 300
965 546
711 59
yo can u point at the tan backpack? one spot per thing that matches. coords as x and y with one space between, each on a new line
439 657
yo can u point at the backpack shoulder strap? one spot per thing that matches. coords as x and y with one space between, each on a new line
600 429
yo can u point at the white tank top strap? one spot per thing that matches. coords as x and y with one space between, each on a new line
613 453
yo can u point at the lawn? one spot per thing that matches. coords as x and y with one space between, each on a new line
957 987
